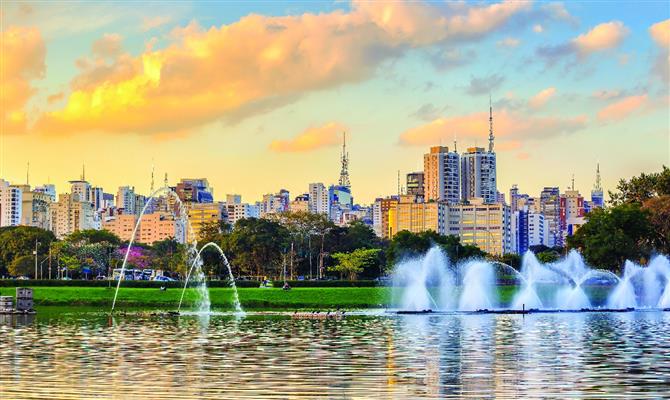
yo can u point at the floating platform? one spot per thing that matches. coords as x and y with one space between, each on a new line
16 312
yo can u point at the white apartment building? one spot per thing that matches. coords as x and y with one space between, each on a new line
10 204
486 226
319 200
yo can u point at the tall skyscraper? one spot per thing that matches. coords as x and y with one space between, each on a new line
597 197
125 199
550 207
478 170
319 201
10 204
441 176
81 187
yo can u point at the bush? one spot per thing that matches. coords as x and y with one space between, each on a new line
125 284
339 283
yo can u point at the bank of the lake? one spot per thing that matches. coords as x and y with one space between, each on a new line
221 298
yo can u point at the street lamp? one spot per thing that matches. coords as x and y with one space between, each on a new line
37 243
42 263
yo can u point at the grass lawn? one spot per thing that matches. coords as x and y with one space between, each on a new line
251 298
221 298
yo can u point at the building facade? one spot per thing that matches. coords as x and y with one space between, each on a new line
319 201
69 214
411 213
486 226
441 175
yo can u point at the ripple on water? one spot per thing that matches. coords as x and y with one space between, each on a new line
365 356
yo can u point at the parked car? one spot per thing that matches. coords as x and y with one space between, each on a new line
163 279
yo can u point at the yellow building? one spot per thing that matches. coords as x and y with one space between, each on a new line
153 227
69 215
486 226
201 214
412 214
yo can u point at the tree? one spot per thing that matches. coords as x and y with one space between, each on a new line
658 209
256 246
408 244
16 241
611 236
22 266
93 236
642 188
548 256
353 263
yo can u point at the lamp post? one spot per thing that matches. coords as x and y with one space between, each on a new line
37 243
42 263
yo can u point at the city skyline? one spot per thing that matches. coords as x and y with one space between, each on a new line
572 86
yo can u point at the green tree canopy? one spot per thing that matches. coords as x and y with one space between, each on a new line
16 241
408 244
23 266
93 236
639 189
351 264
613 235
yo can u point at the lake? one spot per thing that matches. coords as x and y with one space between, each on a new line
85 354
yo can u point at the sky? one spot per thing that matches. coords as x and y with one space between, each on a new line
255 95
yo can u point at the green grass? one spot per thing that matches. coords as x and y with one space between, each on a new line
221 298
250 298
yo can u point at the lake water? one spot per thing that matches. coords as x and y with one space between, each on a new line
86 354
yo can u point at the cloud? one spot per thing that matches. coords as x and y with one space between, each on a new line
311 139
602 37
522 156
108 46
204 75
660 33
606 94
509 126
428 112
23 54
622 108
149 23
541 98
537 28
508 42
484 85
55 98
452 58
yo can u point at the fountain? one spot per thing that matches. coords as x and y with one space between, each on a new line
432 283
204 304
182 216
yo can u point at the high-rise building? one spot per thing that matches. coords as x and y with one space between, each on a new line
70 214
274 203
300 203
412 214
516 199
125 199
550 208
202 214
11 204
237 211
35 208
478 175
140 202
572 211
195 190
597 197
380 215
233 199
441 176
341 201
486 226
478 170
319 201
48 189
527 229
153 227
414 184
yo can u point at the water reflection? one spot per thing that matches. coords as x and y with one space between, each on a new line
84 355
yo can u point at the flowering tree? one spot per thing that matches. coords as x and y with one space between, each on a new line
138 257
